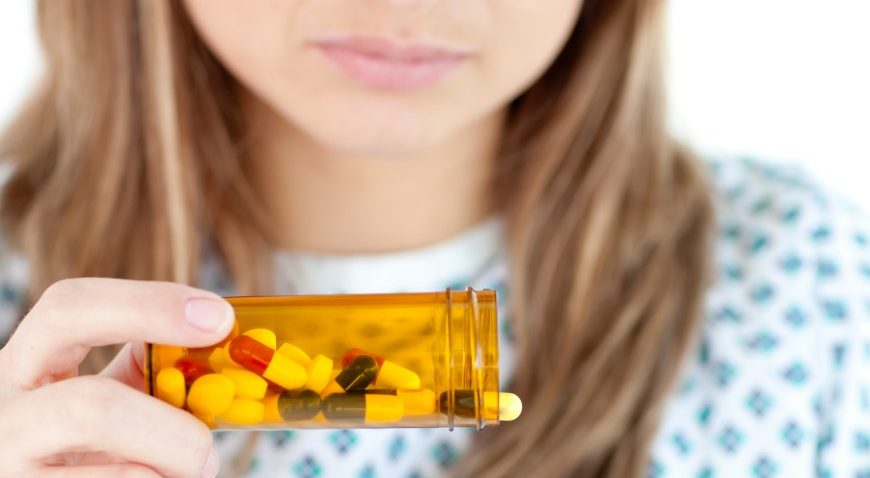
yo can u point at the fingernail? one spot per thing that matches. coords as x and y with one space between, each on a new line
206 314
211 467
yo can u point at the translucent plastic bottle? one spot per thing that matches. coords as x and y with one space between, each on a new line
343 361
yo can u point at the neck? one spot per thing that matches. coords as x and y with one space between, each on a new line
322 200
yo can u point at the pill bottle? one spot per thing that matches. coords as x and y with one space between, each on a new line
343 361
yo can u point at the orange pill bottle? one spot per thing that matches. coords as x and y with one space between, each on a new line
343 361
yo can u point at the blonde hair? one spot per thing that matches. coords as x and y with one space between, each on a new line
129 163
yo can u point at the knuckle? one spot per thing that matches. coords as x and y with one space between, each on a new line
62 289
55 297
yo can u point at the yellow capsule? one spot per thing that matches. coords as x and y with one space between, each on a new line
211 394
270 406
383 409
218 359
506 406
264 336
417 402
248 384
170 386
291 351
243 411
501 406
319 373
391 375
285 372
370 407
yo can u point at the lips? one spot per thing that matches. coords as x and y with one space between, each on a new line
388 65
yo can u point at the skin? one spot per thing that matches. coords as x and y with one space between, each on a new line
349 168
379 163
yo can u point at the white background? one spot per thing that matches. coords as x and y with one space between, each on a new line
784 80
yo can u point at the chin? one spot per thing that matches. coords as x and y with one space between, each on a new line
363 135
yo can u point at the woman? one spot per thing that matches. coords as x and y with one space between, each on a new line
668 317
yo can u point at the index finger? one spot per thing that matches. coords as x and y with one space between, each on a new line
74 315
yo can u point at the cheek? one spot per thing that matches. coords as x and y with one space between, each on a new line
529 36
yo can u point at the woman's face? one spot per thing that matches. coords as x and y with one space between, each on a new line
384 76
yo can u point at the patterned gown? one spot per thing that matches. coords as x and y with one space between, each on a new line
778 384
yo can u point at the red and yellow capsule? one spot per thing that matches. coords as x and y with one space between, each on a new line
265 362
192 369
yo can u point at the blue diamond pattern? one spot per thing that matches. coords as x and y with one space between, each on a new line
764 468
795 317
826 269
343 440
730 439
724 373
834 309
759 402
397 447
681 443
791 263
761 294
796 374
307 468
764 341
792 434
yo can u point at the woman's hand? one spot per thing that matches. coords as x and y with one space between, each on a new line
54 423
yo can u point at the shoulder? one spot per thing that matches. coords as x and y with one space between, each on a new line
782 238
780 379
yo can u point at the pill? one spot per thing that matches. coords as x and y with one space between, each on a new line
353 353
192 368
299 405
319 373
170 386
295 353
248 384
358 374
390 374
211 394
370 407
496 405
417 402
264 336
508 405
218 359
263 361
270 405
243 411
227 357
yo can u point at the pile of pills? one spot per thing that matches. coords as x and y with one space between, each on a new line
251 380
